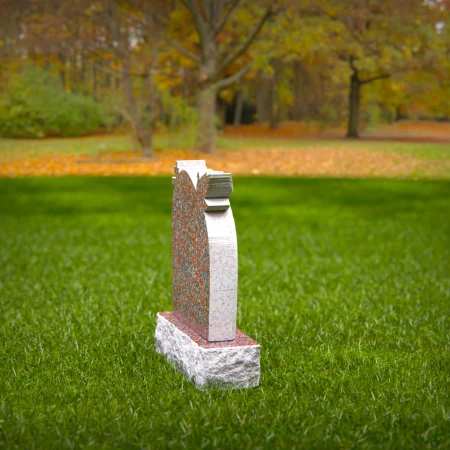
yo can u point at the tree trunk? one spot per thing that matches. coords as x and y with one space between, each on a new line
72 73
145 139
209 18
261 100
207 98
272 113
94 81
143 134
107 80
221 112
62 77
298 106
238 109
400 113
206 137
354 106
62 70
76 70
147 151
82 69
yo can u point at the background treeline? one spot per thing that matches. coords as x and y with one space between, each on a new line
75 67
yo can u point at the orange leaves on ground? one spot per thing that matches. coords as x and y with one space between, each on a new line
407 131
317 161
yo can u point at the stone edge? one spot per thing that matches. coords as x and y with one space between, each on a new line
225 367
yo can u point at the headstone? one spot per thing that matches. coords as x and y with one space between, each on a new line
199 336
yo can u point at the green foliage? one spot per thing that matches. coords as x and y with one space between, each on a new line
114 115
177 112
371 115
178 123
345 284
34 104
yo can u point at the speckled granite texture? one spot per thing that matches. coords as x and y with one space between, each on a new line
199 336
204 245
241 339
225 365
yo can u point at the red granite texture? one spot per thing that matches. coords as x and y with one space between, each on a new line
242 340
190 253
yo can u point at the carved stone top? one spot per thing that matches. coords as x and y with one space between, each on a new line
204 244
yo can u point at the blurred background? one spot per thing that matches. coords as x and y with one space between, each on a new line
142 77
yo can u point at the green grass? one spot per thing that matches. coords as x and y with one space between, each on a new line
345 284
96 145
91 145
430 151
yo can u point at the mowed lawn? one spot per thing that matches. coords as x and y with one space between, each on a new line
345 284
11 149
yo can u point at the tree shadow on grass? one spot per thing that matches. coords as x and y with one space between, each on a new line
375 197
86 195
252 196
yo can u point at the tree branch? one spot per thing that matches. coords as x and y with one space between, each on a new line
351 61
206 10
117 72
227 16
197 15
227 82
378 77
180 48
173 42
251 37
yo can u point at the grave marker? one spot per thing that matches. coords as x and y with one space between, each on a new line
199 336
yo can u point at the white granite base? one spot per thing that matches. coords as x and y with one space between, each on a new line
228 367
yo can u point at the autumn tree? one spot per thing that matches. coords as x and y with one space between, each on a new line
365 40
122 32
217 51
299 72
142 57
84 38
377 39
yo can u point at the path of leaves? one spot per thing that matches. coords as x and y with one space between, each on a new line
310 162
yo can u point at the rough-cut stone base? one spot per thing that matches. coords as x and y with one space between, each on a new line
227 364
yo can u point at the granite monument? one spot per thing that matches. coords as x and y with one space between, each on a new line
199 335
